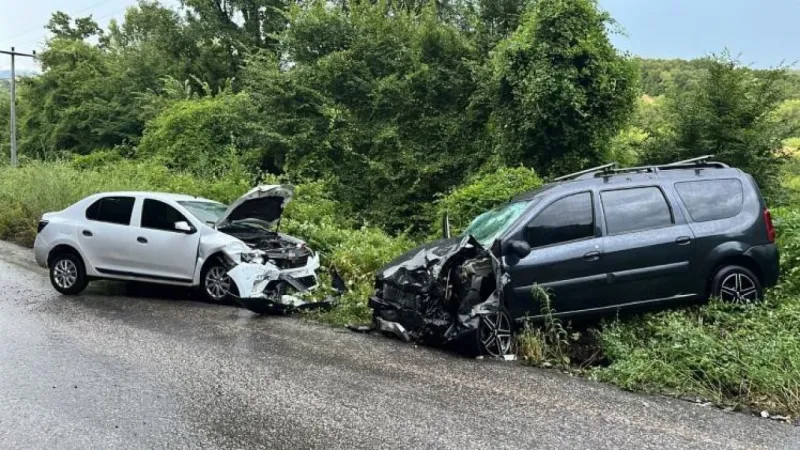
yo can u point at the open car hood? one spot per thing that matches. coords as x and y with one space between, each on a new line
262 205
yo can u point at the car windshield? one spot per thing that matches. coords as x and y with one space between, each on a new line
207 212
490 225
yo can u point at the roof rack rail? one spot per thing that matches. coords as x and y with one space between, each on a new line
603 168
699 160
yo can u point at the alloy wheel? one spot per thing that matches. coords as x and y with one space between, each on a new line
65 273
217 283
738 288
495 334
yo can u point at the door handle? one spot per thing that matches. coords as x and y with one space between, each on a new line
141 240
683 240
592 256
87 233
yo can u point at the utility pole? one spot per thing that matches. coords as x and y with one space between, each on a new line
13 120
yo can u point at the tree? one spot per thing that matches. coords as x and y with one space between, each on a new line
79 103
249 22
375 102
63 27
729 115
558 90
204 135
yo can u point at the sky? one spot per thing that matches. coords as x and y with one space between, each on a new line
762 32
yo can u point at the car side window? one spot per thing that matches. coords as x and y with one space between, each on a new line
636 209
567 219
112 210
160 216
711 199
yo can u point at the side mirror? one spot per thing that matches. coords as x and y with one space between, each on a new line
184 227
515 250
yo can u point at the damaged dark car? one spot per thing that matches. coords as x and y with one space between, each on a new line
598 241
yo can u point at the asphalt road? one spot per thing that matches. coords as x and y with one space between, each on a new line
105 370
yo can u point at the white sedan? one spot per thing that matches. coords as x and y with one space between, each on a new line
225 251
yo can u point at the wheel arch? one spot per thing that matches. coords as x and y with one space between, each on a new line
62 249
217 256
739 259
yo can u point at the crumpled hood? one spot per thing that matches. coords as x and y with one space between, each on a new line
421 256
263 205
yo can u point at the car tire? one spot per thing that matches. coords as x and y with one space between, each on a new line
736 284
495 335
68 273
215 284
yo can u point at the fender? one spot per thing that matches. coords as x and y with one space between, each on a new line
722 252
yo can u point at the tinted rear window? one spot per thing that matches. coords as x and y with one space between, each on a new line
711 199
112 209
628 210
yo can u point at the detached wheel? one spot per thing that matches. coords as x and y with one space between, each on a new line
68 274
737 284
215 284
495 336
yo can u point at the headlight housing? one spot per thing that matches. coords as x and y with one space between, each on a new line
238 252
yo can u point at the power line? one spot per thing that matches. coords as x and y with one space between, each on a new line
31 30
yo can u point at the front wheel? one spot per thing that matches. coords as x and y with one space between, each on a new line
495 336
736 284
215 284
68 274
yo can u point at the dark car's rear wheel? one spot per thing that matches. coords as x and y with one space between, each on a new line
495 336
736 284
68 274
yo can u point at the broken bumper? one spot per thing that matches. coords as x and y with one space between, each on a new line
264 288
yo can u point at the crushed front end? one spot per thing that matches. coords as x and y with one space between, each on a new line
441 294
276 279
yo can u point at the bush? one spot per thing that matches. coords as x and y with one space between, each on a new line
481 193
205 136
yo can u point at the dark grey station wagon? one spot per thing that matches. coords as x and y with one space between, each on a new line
600 240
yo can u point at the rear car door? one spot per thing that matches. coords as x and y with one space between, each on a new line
566 258
103 235
162 252
648 246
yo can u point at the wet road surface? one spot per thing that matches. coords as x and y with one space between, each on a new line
104 370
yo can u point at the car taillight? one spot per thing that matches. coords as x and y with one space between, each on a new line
42 224
770 226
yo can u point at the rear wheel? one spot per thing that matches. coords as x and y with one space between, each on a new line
736 284
495 336
68 274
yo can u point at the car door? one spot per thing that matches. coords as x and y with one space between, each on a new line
648 245
102 236
162 251
566 258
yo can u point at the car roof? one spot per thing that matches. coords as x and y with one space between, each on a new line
621 179
155 195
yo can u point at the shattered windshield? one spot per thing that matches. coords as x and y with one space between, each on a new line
207 212
490 225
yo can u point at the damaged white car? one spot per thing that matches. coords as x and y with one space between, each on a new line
231 251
